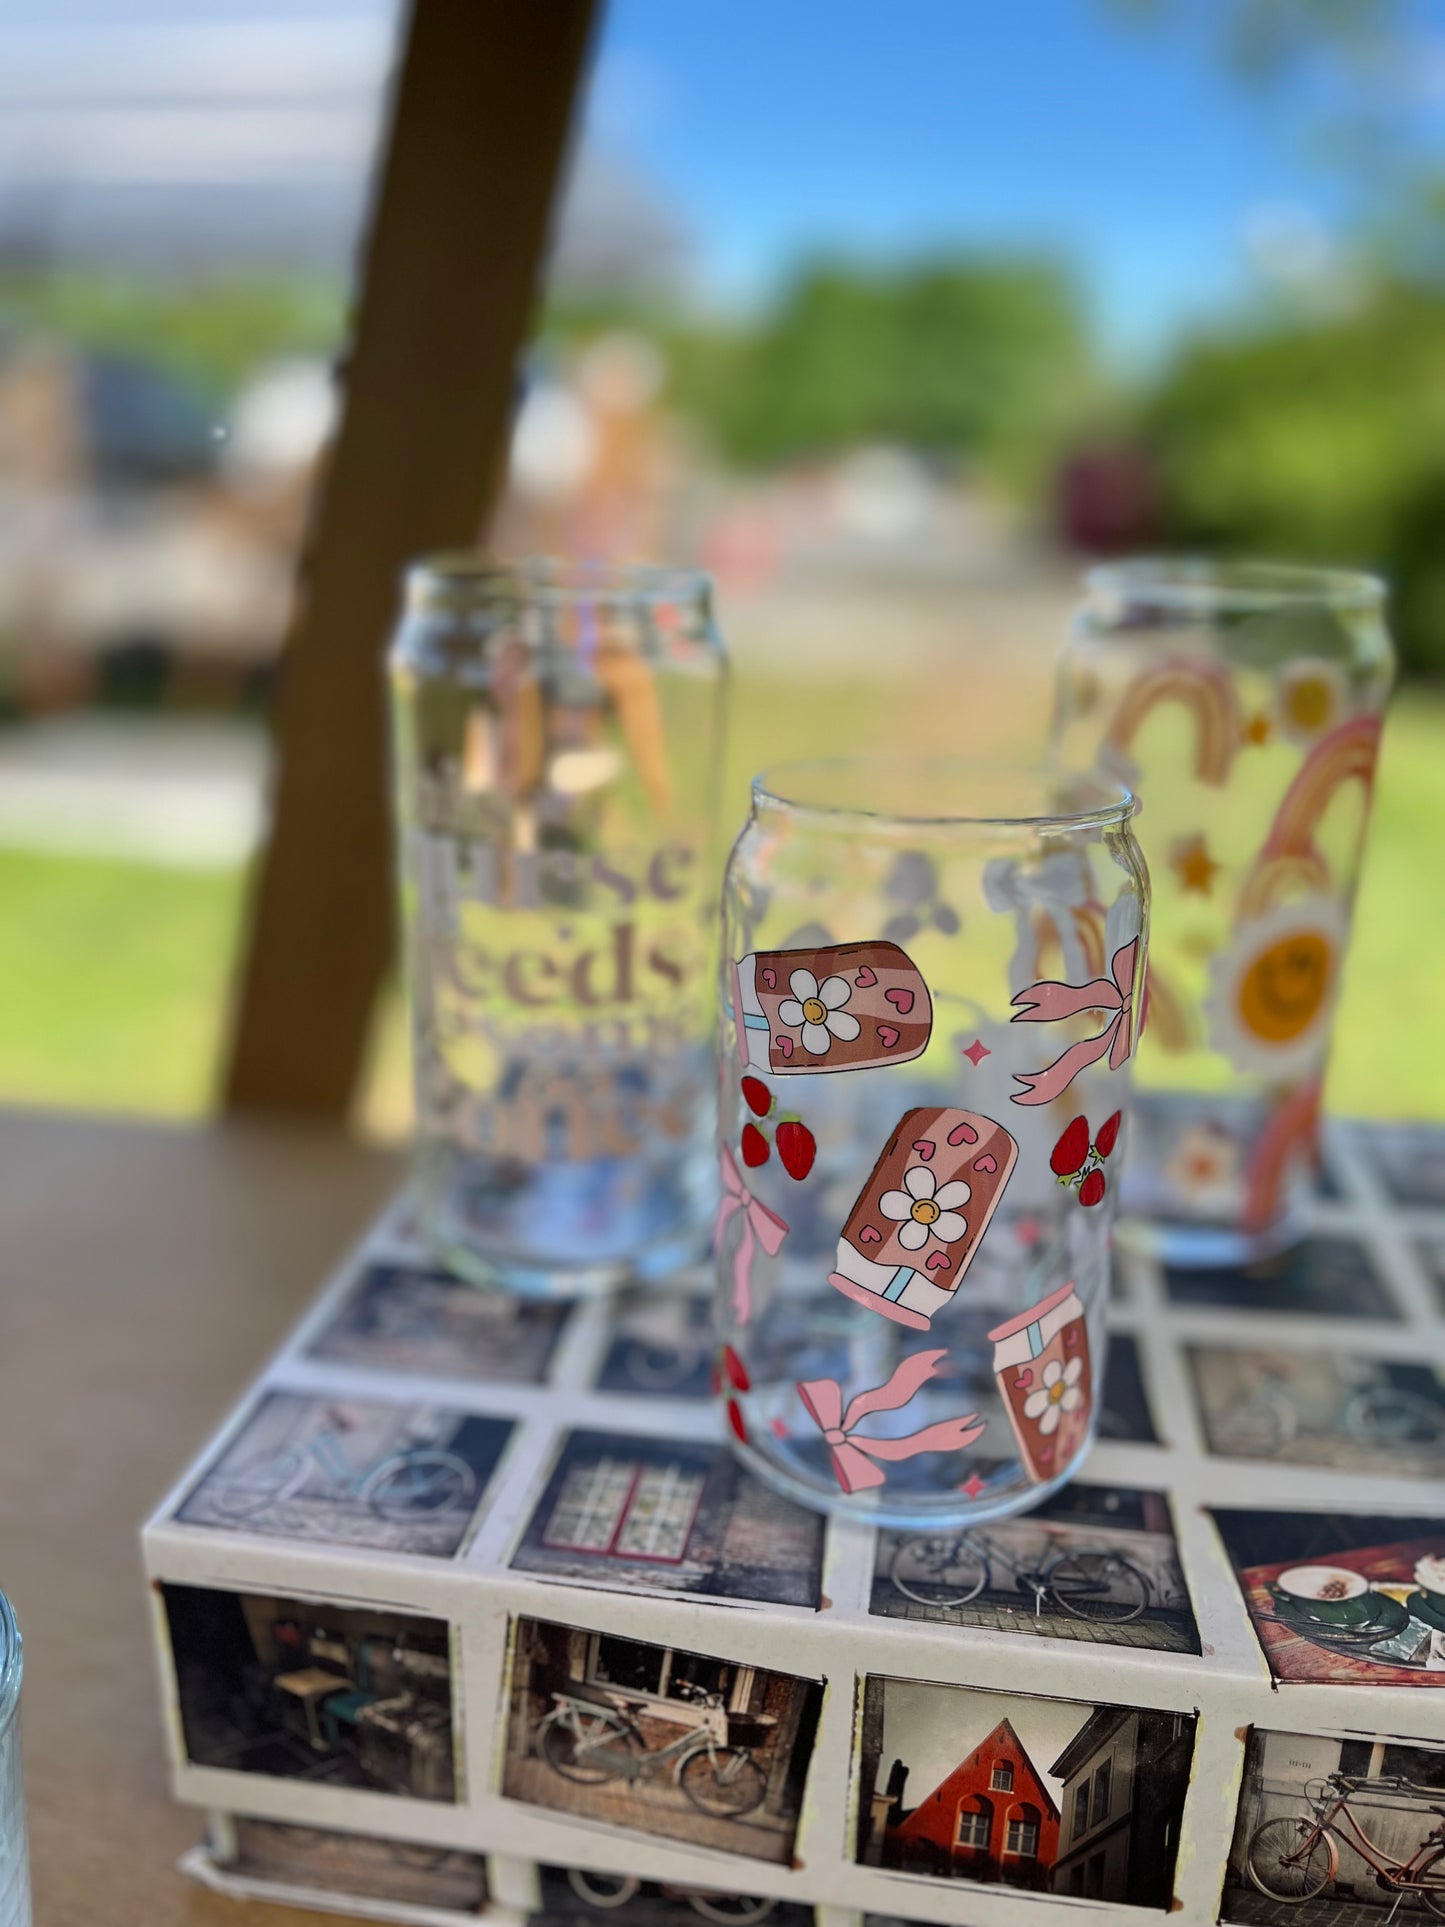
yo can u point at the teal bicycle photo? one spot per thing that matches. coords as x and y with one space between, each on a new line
591 1737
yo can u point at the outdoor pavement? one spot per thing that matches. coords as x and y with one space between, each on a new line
1243 1907
651 1805
1158 1632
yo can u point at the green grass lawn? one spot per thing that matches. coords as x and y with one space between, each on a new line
114 976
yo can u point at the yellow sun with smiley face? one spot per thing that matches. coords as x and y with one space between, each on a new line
1274 989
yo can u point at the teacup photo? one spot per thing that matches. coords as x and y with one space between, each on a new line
1430 1577
1331 1594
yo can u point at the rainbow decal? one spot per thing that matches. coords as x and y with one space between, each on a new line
1207 690
1086 921
1290 1136
1273 879
1349 751
1168 1020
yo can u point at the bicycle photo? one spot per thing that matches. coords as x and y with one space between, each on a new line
1296 1857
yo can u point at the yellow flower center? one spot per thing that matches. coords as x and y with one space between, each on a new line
1310 702
814 1010
1056 1392
925 1211
1284 988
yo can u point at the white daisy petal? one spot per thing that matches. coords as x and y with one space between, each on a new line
1053 1372
912 1236
1035 1403
1072 1399
816 1039
790 1011
835 992
918 1181
803 983
896 1204
948 1197
1050 1420
949 1227
842 1025
1073 1371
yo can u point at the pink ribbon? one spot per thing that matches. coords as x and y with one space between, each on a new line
760 1227
853 1457
1050 1003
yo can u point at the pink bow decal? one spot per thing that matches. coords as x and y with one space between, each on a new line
853 1457
760 1227
1050 1003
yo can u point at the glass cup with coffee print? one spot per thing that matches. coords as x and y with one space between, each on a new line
557 738
1243 702
929 988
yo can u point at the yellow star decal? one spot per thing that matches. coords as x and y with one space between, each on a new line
1194 866
1257 729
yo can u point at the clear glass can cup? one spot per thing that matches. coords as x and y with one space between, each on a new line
1243 702
922 1094
14 1857
557 734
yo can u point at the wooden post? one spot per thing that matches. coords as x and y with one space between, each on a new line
479 132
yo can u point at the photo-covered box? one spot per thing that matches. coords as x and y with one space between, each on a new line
468 1611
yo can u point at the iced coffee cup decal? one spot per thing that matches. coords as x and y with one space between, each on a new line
854 1457
1051 1003
1041 1362
757 1226
841 1007
918 1221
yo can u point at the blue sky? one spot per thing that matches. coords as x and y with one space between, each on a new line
779 128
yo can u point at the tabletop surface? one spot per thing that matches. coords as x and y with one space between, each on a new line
148 1272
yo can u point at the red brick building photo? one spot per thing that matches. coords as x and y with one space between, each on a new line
991 1819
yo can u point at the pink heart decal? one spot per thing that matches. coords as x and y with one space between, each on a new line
924 1146
901 1000
887 1036
1023 1381
770 978
937 1261
783 1046
1045 1453
865 978
870 1235
963 1134
988 1162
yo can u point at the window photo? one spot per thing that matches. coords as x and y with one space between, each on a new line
653 1515
407 1318
1336 1833
1092 1563
1053 1796
658 1740
397 1478
297 1689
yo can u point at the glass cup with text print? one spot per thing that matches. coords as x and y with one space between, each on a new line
922 1100
1243 701
557 734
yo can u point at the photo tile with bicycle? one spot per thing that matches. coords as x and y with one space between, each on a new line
578 1894
1336 1832
1053 1796
1325 1277
1329 1408
654 1740
660 1346
417 1320
347 1472
365 1865
640 1514
1093 1563
1343 1600
354 1697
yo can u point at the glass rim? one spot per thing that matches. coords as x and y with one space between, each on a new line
458 578
1111 802
1237 585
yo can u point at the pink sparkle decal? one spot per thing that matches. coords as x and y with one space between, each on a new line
973 1485
778 1429
977 1051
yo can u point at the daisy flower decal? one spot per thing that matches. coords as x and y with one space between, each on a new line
1059 1393
818 1008
925 1209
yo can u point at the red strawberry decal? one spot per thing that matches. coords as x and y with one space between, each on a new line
1092 1189
1108 1134
757 1096
797 1147
736 1421
735 1371
1068 1155
755 1147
